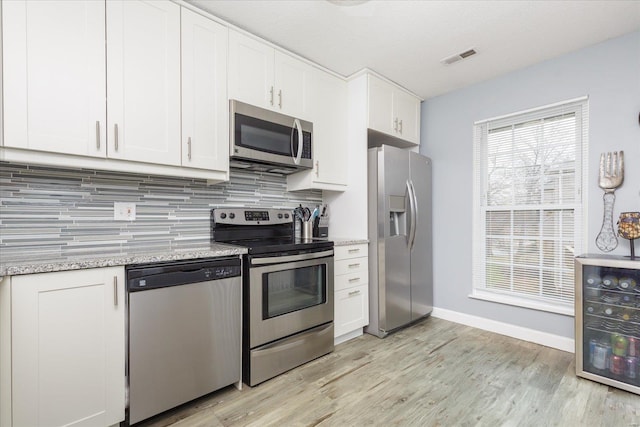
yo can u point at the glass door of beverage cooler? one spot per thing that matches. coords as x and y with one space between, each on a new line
608 321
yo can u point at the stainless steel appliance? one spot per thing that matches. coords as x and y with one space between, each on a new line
287 290
183 332
267 141
607 317
400 267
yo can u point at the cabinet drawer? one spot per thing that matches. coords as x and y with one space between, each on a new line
351 310
352 251
345 281
351 265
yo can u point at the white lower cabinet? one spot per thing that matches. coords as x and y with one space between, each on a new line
351 291
67 338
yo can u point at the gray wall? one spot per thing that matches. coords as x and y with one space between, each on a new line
609 74
52 212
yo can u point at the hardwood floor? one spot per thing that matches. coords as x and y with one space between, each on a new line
435 373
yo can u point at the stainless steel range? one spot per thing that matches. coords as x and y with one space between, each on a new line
287 290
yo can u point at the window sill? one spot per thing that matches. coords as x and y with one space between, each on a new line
522 302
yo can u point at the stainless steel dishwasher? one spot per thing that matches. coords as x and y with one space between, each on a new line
184 332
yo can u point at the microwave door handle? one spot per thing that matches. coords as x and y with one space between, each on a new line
298 126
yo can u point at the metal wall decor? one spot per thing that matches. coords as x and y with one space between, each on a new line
611 176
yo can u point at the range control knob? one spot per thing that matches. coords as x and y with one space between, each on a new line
223 215
232 215
279 216
286 216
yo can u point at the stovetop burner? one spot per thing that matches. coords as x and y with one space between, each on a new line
260 230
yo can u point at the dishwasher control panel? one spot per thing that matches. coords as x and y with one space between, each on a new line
163 275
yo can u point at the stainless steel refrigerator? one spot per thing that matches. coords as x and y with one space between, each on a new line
400 258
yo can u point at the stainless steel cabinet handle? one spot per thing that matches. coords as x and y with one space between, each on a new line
271 101
351 251
317 168
354 265
115 290
115 140
280 98
189 148
395 124
352 293
355 279
400 126
98 134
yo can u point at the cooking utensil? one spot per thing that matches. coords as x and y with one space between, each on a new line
610 177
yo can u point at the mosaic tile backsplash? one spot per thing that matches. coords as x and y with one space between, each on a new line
51 212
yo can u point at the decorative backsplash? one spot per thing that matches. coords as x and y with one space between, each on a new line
52 212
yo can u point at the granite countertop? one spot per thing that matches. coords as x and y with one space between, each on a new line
110 260
79 262
346 241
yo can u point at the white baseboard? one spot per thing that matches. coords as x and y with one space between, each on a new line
525 334
348 336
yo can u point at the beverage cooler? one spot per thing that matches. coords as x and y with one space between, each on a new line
607 317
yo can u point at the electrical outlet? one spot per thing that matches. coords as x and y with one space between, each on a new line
124 211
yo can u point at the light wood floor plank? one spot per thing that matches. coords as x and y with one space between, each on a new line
434 373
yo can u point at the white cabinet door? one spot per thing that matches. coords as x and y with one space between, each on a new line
54 76
330 129
262 76
328 113
143 87
407 110
292 84
205 112
381 114
251 71
68 352
351 310
393 111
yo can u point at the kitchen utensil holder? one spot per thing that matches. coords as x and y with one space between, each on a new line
307 230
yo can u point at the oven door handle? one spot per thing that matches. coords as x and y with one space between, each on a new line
290 258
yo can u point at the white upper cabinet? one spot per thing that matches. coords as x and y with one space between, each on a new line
262 76
143 87
393 111
328 96
205 111
54 76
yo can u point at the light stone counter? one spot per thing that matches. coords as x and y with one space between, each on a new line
340 241
105 260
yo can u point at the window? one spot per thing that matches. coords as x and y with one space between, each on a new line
528 222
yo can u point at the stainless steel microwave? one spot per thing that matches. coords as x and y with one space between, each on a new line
269 141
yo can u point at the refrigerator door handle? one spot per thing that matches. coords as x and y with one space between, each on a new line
414 214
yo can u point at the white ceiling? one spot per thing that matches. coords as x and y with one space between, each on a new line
405 40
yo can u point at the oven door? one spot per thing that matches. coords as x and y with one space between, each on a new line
289 294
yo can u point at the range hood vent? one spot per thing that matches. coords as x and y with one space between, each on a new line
458 57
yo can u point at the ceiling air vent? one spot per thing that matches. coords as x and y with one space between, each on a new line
458 57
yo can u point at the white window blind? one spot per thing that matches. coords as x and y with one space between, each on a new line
528 222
